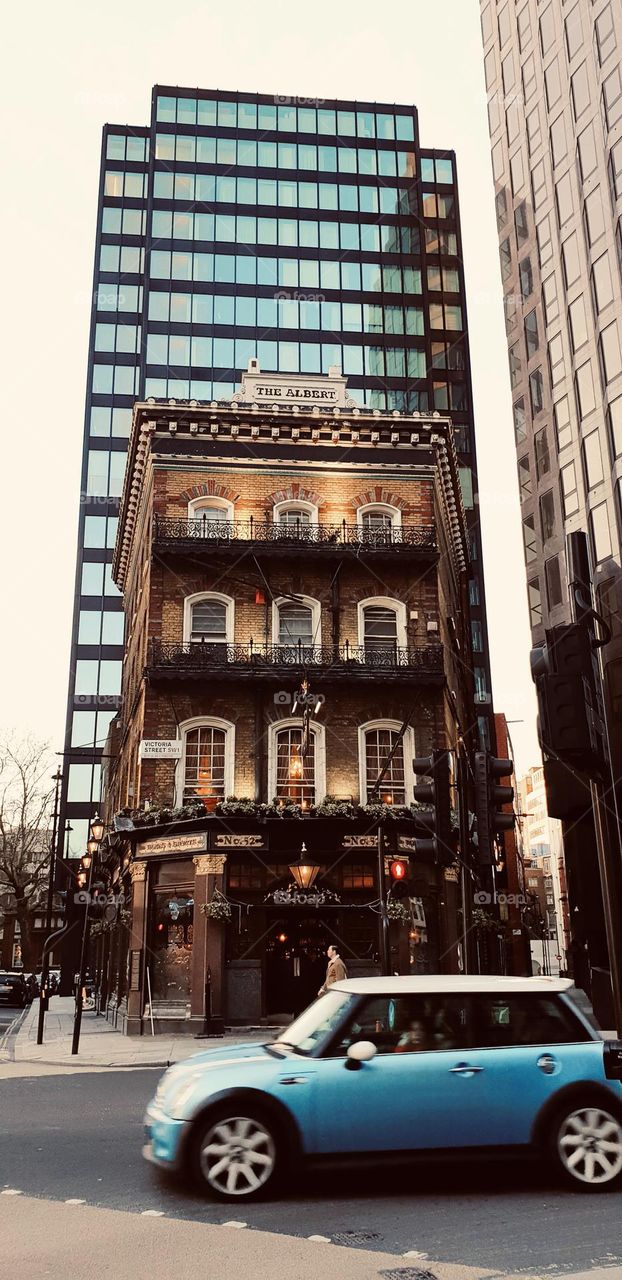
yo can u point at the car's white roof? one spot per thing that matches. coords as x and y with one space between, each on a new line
450 982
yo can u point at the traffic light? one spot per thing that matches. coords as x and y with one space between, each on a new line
489 796
570 713
400 875
435 841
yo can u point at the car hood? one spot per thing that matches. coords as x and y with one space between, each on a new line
228 1060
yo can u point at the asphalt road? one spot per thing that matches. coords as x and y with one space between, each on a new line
79 1135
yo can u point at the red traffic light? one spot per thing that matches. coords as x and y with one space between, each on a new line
399 869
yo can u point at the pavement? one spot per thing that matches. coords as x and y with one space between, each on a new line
100 1045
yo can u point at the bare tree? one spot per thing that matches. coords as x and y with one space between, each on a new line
25 831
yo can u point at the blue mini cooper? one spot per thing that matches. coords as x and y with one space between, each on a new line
399 1067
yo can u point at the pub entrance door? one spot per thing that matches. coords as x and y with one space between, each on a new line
295 962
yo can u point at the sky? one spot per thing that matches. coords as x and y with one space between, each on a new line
69 68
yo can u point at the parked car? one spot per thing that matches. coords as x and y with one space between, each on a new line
398 1068
13 989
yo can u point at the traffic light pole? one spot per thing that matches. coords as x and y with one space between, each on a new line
609 852
385 953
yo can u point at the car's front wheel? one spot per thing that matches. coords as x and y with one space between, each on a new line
236 1153
586 1144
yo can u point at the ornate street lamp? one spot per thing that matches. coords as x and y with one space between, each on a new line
97 828
304 871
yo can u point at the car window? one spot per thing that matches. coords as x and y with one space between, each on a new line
407 1024
524 1019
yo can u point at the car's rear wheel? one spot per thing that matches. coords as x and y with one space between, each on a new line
586 1144
237 1153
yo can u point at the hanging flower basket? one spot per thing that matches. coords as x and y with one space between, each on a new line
217 908
398 911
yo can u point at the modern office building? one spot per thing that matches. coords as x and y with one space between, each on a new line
307 235
554 86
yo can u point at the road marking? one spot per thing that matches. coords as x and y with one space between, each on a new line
152 1213
74 1200
321 1239
10 1191
234 1224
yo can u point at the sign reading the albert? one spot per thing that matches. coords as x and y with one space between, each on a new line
195 842
160 749
288 389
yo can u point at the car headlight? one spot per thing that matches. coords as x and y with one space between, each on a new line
179 1095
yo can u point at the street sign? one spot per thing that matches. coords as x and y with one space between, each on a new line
160 749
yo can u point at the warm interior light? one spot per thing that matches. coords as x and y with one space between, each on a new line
81 880
296 767
92 846
86 860
282 937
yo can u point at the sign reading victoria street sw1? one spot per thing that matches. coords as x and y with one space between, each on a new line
160 749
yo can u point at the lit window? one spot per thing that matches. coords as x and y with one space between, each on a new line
380 744
294 765
205 764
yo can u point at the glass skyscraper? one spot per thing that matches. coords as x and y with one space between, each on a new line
307 234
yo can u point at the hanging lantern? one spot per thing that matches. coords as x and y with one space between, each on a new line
304 871
97 828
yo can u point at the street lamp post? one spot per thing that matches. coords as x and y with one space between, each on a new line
45 959
86 877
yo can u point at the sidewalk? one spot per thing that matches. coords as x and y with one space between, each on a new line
101 1045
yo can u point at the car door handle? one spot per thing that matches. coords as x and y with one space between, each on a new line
464 1069
294 1079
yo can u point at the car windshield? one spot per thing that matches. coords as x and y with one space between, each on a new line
316 1023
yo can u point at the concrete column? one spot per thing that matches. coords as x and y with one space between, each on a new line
208 943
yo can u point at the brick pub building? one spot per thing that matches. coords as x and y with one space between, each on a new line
283 542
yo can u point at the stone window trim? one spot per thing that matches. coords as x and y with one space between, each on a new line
206 722
384 602
295 504
319 739
408 747
310 603
385 508
197 598
213 503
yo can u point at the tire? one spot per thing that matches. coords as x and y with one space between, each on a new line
585 1143
237 1152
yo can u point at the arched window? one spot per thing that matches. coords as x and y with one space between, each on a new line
295 514
382 628
379 523
296 628
296 764
207 761
379 743
208 619
212 517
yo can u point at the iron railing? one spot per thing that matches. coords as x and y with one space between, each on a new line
346 660
200 530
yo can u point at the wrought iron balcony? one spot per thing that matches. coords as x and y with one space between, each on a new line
201 534
205 661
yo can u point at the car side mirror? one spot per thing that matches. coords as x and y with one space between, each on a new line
359 1052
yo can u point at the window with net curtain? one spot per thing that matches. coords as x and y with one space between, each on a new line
209 622
295 628
379 743
204 765
380 630
378 524
295 772
212 519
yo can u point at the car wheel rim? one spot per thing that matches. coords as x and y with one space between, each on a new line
237 1156
590 1145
